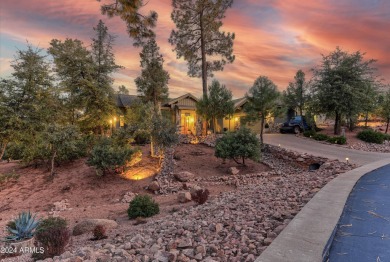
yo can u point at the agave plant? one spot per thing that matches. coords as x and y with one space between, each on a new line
24 227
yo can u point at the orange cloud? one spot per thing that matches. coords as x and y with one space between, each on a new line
273 37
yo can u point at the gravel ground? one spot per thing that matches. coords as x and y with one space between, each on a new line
233 226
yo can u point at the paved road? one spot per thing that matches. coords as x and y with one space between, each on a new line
292 142
364 227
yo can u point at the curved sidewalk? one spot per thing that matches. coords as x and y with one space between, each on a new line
308 234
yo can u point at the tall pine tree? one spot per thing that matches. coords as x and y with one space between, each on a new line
152 85
99 102
139 26
198 38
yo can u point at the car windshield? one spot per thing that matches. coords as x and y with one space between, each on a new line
296 118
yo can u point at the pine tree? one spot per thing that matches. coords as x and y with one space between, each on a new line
340 85
296 94
384 109
123 90
198 38
99 104
26 101
74 67
262 101
217 104
139 26
152 85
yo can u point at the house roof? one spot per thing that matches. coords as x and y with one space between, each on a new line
175 100
239 102
122 100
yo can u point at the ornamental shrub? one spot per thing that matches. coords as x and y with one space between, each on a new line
108 156
142 206
99 232
241 145
340 140
371 136
321 137
53 235
309 133
200 196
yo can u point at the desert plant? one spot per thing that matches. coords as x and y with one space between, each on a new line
371 136
340 140
242 144
200 196
109 156
142 206
53 235
99 232
24 227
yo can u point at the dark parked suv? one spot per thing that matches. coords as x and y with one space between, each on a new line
296 125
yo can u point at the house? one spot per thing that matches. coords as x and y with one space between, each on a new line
182 112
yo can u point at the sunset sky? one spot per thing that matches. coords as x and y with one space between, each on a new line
274 38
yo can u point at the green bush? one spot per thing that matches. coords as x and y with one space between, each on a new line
340 140
321 137
53 235
108 156
309 133
142 206
141 137
14 151
371 136
242 144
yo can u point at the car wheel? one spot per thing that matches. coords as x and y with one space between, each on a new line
297 130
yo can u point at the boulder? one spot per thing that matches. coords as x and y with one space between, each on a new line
184 197
128 197
87 226
184 176
233 170
154 186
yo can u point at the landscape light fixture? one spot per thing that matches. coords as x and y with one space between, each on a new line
347 160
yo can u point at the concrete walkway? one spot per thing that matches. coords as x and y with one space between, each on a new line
310 233
312 147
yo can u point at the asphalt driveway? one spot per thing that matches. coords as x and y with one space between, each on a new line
295 143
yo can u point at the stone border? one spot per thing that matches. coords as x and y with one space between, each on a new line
308 236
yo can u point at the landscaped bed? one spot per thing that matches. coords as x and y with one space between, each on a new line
353 142
244 213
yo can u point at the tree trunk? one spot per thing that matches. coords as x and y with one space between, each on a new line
366 123
300 111
204 127
337 124
203 52
214 125
261 130
351 124
2 149
387 126
204 68
53 157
